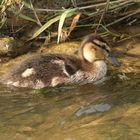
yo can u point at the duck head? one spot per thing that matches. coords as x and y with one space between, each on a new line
95 48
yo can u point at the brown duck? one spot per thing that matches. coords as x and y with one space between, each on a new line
50 70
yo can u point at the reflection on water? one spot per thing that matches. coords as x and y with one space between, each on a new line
109 111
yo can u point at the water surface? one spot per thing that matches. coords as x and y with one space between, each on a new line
108 111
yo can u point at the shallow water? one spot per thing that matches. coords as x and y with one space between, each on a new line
108 111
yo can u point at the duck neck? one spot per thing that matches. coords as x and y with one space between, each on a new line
100 68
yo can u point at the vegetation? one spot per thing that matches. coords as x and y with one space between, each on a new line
97 15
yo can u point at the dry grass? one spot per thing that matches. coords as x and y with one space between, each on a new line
98 16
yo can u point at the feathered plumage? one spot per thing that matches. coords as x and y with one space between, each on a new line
49 70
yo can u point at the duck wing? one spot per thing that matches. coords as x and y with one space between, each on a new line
72 66
39 71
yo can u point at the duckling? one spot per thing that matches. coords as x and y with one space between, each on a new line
50 70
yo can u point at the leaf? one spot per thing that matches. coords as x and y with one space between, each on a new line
63 16
27 5
52 21
44 27
74 22
26 17
19 14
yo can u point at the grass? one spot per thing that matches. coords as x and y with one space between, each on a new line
98 14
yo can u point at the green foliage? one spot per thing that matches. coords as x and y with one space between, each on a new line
61 18
45 26
64 15
14 8
95 11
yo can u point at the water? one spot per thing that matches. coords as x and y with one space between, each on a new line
109 111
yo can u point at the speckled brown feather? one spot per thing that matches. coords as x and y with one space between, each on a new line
45 68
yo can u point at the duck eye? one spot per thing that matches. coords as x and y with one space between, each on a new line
105 48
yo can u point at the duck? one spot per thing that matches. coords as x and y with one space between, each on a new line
51 70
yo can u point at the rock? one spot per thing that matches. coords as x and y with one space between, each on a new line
9 46
6 45
93 109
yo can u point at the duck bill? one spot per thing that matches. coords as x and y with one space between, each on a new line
112 59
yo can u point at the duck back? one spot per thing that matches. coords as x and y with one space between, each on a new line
39 71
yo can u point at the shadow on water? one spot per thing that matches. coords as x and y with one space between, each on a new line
109 111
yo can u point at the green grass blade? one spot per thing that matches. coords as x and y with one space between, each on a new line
63 16
45 26
19 14
69 13
26 17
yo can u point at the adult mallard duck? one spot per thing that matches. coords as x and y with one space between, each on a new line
50 70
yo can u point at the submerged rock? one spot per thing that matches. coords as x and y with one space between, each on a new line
93 109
